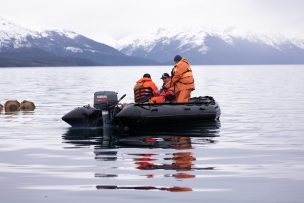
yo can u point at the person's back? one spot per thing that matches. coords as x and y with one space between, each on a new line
182 79
144 89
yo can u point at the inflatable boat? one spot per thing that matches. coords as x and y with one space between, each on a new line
108 111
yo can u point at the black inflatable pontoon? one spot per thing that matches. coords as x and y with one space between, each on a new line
107 110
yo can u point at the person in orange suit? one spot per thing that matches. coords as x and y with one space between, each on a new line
166 92
144 89
182 79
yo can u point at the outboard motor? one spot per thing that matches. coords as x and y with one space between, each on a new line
86 116
106 102
105 108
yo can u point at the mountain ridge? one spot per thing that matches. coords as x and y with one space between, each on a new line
59 48
24 47
211 47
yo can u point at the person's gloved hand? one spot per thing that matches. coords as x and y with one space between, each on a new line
169 93
156 93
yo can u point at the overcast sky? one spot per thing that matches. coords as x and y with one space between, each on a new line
103 19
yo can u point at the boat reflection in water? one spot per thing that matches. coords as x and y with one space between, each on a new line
180 161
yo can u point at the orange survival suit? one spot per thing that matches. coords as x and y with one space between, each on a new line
182 81
166 93
144 89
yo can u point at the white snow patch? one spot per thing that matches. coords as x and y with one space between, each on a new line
74 49
298 42
65 33
12 35
70 34
90 50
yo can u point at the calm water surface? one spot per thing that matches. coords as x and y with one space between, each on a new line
255 154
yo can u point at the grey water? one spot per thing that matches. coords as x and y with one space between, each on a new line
254 154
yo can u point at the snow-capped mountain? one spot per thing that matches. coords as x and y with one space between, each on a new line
23 47
214 47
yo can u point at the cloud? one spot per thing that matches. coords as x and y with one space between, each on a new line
102 19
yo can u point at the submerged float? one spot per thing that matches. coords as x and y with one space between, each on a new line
108 111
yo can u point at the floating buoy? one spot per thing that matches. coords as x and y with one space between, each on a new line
27 106
11 105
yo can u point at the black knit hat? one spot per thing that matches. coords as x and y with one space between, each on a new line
177 58
147 75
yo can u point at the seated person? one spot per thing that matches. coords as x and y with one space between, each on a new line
166 92
144 89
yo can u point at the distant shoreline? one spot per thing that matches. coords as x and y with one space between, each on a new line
7 67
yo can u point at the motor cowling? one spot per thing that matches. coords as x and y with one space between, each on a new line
105 100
